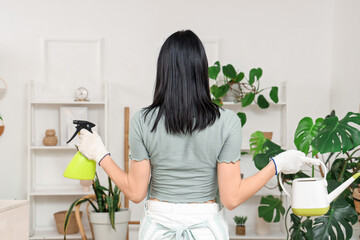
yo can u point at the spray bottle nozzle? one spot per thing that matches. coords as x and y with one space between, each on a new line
81 124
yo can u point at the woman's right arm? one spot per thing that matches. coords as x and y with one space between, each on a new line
234 190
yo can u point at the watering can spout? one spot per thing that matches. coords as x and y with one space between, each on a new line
342 187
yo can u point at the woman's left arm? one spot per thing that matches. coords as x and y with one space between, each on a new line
133 184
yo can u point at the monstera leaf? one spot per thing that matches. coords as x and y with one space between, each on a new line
305 132
336 136
269 206
214 70
301 230
337 220
270 149
257 140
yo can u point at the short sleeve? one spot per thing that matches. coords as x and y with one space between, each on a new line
138 150
231 150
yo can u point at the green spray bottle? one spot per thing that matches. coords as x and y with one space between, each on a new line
80 167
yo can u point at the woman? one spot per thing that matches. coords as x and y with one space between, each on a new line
191 149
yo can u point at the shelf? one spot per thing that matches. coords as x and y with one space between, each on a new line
53 234
53 148
254 104
66 102
275 234
60 192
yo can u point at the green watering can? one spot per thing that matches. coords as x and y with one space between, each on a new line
80 167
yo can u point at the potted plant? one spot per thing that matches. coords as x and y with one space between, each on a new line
337 143
2 126
241 89
108 221
240 224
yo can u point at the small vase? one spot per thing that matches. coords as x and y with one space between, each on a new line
86 185
2 128
268 135
240 230
50 139
262 227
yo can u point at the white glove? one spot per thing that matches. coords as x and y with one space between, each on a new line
291 161
91 146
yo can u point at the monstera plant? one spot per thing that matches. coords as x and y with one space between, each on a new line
335 142
243 89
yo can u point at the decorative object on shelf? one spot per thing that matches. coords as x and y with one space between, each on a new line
240 224
268 135
3 85
67 128
2 126
242 89
50 139
81 94
108 220
86 185
337 143
72 225
262 227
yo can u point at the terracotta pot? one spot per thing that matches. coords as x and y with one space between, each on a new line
268 135
240 230
2 128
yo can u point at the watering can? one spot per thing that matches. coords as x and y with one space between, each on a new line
310 196
80 167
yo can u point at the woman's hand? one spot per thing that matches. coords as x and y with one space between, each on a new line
91 146
291 161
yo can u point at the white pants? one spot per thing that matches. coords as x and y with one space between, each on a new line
177 221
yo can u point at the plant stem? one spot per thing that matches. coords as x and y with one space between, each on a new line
287 231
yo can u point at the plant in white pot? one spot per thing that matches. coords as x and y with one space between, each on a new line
108 221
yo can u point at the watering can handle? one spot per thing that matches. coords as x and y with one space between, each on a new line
282 186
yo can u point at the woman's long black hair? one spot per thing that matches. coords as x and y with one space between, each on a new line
182 85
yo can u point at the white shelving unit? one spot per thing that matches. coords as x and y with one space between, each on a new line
48 191
272 119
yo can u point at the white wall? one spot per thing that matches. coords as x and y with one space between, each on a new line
290 40
345 82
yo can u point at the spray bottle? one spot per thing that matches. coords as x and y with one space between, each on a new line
80 167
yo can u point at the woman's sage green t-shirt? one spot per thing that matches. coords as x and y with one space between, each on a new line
184 167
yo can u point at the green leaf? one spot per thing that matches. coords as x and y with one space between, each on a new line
214 70
270 149
336 136
229 71
242 117
270 206
274 94
239 77
305 133
262 102
257 140
109 201
219 92
248 99
301 230
332 224
255 74
217 101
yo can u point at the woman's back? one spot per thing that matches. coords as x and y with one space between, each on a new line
183 167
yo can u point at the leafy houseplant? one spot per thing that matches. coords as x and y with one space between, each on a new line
240 224
337 143
243 89
108 200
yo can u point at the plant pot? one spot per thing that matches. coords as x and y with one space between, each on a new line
268 135
2 128
240 230
60 219
102 228
262 227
